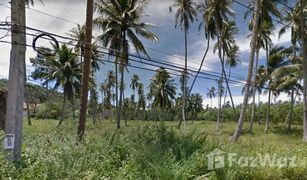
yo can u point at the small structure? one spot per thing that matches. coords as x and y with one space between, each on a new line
3 96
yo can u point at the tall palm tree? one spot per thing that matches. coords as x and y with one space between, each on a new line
63 70
218 12
211 93
209 31
268 11
134 83
292 22
162 89
303 39
275 60
227 45
110 84
238 129
287 78
78 33
264 41
142 99
184 16
195 105
121 21
95 66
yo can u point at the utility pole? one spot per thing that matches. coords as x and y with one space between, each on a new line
305 67
15 99
86 68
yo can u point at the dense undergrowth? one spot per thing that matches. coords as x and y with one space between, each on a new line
141 151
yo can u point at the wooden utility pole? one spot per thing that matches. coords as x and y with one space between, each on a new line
15 99
86 68
305 67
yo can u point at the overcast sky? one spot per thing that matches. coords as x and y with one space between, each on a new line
171 41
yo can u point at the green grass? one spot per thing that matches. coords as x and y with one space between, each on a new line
148 150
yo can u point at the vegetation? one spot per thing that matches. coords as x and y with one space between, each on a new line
147 150
151 145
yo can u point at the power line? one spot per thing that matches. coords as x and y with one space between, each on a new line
159 51
252 9
135 56
147 69
138 67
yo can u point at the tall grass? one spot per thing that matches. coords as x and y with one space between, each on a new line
142 151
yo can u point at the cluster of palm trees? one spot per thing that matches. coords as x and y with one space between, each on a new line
122 27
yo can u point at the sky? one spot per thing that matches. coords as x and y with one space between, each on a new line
171 42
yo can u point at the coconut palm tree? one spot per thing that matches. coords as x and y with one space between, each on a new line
238 129
142 99
264 41
78 33
134 83
110 84
121 22
268 11
277 59
304 56
95 66
292 22
63 70
195 105
184 16
228 46
218 12
162 89
287 78
211 93
209 31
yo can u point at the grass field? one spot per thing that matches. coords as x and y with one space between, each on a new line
150 150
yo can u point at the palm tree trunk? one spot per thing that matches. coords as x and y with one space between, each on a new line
124 113
229 90
268 115
259 119
254 92
63 109
238 129
184 75
201 64
200 67
121 93
219 105
116 96
224 73
291 111
305 68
